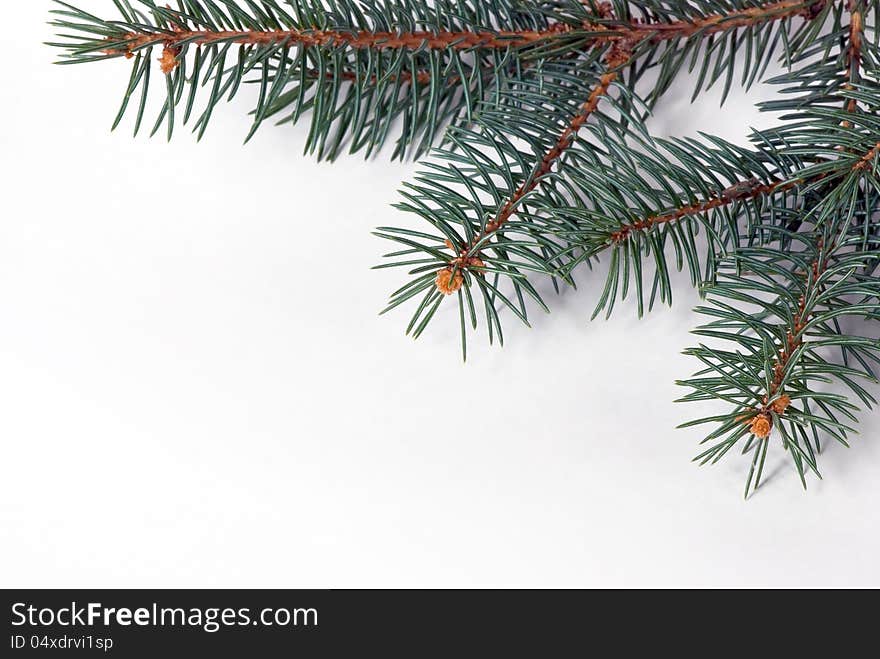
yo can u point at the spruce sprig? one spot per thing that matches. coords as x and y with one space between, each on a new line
546 164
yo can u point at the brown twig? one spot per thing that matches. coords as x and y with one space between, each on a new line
715 23
853 54
620 52
744 190
565 140
417 40
468 255
775 401
854 51
606 31
866 160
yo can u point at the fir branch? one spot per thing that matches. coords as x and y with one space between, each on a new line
720 22
550 215
854 50
356 67
793 342
419 40
868 160
176 35
269 30
450 279
779 364
547 164
769 380
692 187
498 236
740 191
550 158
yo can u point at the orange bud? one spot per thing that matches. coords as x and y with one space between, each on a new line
761 426
168 62
781 404
448 281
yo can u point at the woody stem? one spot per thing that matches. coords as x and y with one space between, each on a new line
566 138
603 32
853 51
744 190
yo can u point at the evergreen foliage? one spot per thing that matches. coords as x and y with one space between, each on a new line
543 163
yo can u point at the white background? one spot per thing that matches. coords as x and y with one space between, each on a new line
196 390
